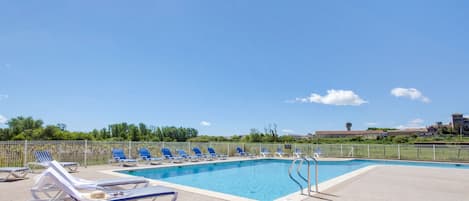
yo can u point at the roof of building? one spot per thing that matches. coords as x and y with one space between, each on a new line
358 132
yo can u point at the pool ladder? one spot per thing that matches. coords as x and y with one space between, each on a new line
309 160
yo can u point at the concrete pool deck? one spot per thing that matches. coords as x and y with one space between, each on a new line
401 183
378 183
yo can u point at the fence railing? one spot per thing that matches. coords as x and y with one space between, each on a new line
19 153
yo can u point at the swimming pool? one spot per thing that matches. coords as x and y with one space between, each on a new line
262 179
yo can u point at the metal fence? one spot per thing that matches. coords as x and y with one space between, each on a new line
19 153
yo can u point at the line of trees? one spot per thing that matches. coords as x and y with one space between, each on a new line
27 128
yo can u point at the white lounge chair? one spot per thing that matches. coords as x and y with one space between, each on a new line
43 158
65 190
98 184
14 173
317 153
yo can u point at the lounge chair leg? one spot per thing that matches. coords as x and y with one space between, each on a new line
175 197
19 175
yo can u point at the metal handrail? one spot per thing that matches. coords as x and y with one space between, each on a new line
291 177
315 172
298 170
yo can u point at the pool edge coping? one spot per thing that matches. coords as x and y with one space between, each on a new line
327 184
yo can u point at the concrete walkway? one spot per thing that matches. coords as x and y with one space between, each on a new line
403 183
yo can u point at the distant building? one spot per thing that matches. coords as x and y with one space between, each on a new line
438 128
460 124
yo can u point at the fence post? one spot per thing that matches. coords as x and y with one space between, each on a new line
418 151
352 150
260 148
86 150
189 145
341 151
25 158
368 150
130 148
60 151
228 150
399 151
434 154
384 151
162 145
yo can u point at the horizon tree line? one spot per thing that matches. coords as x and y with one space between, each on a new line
27 128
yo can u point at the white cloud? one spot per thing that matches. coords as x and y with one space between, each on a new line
371 123
411 93
3 96
334 97
287 131
3 120
414 123
205 123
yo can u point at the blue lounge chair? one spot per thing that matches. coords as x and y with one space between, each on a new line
265 152
43 158
186 156
146 156
14 173
168 155
212 152
240 152
65 191
298 153
280 152
199 154
120 158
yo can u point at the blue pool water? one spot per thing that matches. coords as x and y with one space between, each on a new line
264 179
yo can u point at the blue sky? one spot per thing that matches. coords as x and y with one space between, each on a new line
224 67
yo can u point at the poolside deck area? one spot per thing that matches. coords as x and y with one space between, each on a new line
379 183
403 183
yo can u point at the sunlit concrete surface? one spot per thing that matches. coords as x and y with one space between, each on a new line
401 183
